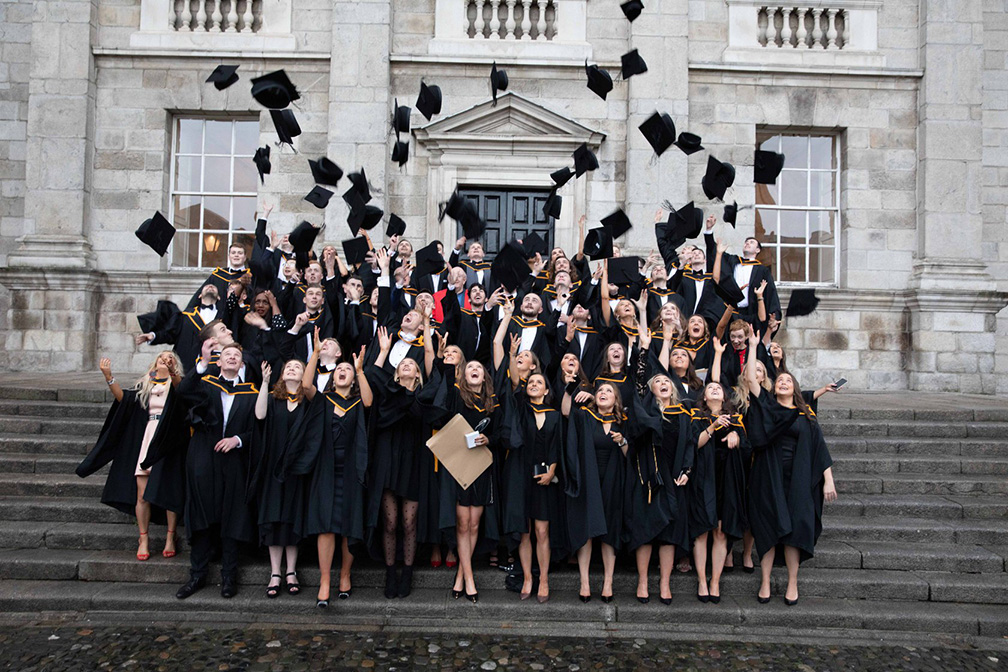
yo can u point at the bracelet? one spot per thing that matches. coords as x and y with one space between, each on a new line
110 382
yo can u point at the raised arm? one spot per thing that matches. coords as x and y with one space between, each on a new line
428 343
719 350
666 349
723 323
385 343
105 365
498 343
581 237
604 288
750 367
761 311
719 251
262 400
308 379
366 395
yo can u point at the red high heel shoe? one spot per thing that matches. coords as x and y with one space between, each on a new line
142 556
169 554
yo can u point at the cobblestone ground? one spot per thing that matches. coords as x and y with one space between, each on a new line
64 647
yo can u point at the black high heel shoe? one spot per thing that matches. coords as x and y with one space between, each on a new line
456 594
643 600
762 600
714 599
390 582
293 587
606 598
322 604
345 594
665 600
585 598
474 598
790 603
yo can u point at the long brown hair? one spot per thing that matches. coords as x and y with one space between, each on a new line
727 407
692 380
796 396
279 390
617 401
482 398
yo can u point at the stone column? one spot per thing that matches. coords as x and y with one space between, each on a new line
360 106
660 34
61 99
952 298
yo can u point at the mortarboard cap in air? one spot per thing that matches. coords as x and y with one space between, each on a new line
510 267
553 204
261 158
355 250
223 76
428 260
632 9
659 131
689 143
534 244
360 185
396 225
625 271
731 213
632 64
325 171
599 80
617 223
802 302
156 233
400 152
319 197
684 224
562 176
718 178
598 244
286 125
401 118
301 239
498 81
274 90
584 160
429 101
767 166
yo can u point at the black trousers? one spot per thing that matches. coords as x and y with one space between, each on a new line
202 544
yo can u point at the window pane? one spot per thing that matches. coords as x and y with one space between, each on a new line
821 264
821 191
821 228
216 213
246 177
190 136
218 137
218 174
792 227
822 154
795 150
766 226
187 212
187 173
214 249
792 264
244 213
794 187
768 142
246 137
185 249
245 239
766 194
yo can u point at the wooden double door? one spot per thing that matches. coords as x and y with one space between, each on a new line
509 214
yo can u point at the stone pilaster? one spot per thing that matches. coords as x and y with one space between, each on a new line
60 137
952 298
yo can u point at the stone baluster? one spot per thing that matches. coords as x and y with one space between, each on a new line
247 17
556 19
186 16
232 17
846 29
526 24
216 16
761 25
785 27
817 32
509 25
802 33
494 20
831 34
200 15
541 21
172 16
480 23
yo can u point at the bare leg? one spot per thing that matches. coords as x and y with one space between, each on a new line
643 560
291 553
543 551
326 549
747 545
276 554
466 562
143 515
583 560
791 558
462 542
608 566
766 564
345 565
435 555
666 561
700 561
525 558
718 553
169 543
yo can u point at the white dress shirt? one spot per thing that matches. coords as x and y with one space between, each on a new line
400 349
743 275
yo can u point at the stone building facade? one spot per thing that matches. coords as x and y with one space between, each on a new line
893 115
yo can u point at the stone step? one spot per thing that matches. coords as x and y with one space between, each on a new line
882 411
48 409
51 485
82 510
934 507
29 424
27 463
922 484
117 566
882 464
914 530
969 448
77 536
914 428
498 609
96 394
78 444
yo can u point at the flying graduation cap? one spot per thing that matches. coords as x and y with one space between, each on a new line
802 302
718 178
689 143
360 185
396 225
659 131
599 80
534 244
767 166
429 101
400 152
319 197
261 158
632 64
561 177
286 125
301 239
365 218
401 118
510 266
464 211
223 76
498 81
632 9
156 233
599 242
325 171
355 250
551 208
731 213
584 160
684 224
274 90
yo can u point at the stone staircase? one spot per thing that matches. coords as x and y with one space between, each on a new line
915 547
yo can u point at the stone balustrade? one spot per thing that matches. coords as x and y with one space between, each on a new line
226 16
802 28
258 26
510 19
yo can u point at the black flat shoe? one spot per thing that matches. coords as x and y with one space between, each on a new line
643 600
345 594
390 582
406 581
606 598
293 587
228 588
762 600
790 603
585 598
190 587
322 604
665 600
474 598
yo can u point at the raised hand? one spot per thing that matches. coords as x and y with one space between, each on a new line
105 366
571 328
711 221
358 360
384 340
442 343
255 320
140 339
267 371
753 338
381 254
659 215
762 288
460 243
316 339
583 397
508 309
515 343
719 346
301 320
267 209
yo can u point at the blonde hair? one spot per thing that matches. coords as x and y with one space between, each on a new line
145 383
419 378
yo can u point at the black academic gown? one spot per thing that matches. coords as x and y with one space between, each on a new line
545 335
729 262
332 453
717 489
179 329
591 356
119 444
280 502
221 278
216 482
710 306
785 495
596 473
469 330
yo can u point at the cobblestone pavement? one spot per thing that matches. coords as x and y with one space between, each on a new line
77 647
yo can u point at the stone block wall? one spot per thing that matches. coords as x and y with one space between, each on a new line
15 65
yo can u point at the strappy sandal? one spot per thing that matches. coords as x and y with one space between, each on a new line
167 553
273 591
293 587
142 556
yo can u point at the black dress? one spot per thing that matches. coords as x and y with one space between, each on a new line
596 472
332 451
280 502
719 481
119 443
786 479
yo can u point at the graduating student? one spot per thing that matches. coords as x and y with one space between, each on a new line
695 284
617 370
571 377
221 410
675 359
660 462
477 268
659 293
167 325
405 331
536 330
698 343
791 477
156 493
333 453
316 315
583 341
533 493
748 274
737 352
595 467
222 277
718 492
469 327
522 362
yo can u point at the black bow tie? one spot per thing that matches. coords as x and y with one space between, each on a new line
229 385
323 369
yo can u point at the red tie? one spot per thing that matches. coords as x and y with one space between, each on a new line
741 360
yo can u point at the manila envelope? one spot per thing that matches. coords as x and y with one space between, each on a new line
463 463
